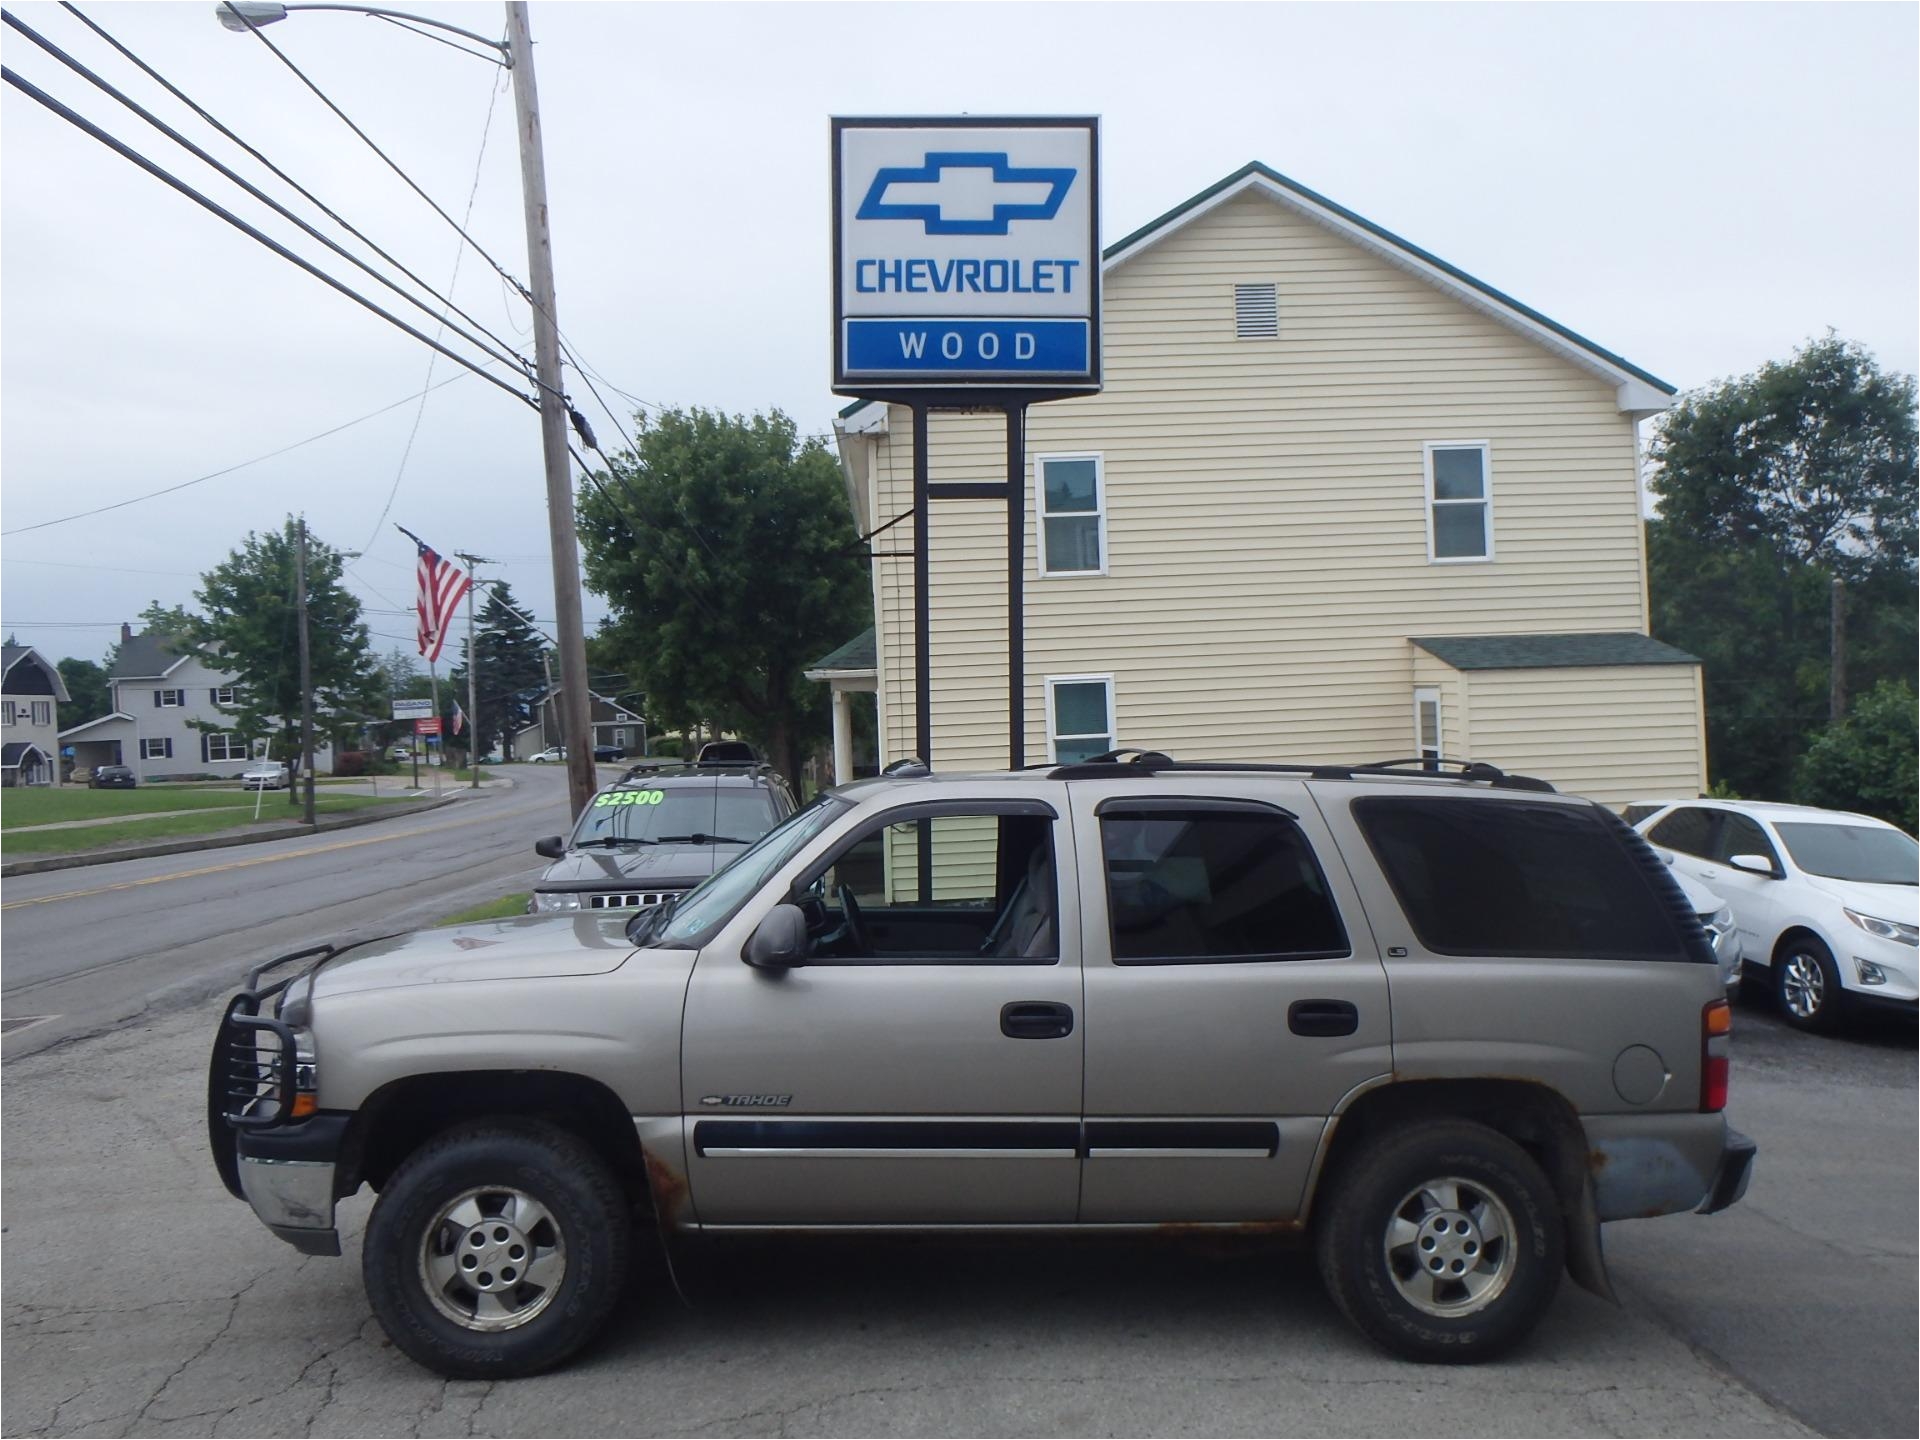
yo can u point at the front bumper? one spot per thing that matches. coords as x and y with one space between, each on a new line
288 1176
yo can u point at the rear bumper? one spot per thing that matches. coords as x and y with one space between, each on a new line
1730 1180
1645 1165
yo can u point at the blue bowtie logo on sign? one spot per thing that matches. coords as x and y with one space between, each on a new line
929 192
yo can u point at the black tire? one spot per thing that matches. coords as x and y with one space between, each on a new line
585 1210
1806 984
1380 1184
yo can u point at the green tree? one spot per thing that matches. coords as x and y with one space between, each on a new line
730 560
250 627
511 677
87 683
1784 549
1869 762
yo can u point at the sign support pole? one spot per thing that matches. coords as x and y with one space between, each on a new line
1016 584
922 603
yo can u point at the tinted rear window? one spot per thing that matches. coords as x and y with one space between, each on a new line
1493 877
1214 885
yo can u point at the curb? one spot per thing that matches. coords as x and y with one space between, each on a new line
292 830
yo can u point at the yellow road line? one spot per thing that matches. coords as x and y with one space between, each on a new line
244 864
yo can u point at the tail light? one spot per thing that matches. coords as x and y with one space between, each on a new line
1716 1041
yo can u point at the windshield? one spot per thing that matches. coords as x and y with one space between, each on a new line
642 814
712 903
1864 853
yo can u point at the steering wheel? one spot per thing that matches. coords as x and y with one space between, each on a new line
850 909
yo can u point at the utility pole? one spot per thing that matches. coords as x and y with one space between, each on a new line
473 674
306 669
553 420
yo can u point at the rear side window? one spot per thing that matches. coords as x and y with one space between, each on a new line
1492 877
1690 831
1213 884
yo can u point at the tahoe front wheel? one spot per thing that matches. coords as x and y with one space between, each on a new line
1442 1242
497 1249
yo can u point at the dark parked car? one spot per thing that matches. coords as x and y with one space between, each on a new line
609 752
657 832
112 777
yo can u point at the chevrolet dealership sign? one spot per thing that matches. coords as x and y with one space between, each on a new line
966 254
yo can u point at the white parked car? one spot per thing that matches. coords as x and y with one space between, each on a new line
552 755
267 775
1826 902
1716 918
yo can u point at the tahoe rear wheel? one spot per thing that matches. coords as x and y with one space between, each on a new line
497 1249
1807 984
1442 1242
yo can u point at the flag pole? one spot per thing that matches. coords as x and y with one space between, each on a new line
433 674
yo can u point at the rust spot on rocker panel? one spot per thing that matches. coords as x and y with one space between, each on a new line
668 1188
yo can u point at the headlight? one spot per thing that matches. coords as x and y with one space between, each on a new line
547 901
1721 920
1886 929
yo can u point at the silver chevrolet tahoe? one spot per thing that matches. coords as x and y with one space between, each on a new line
1443 1027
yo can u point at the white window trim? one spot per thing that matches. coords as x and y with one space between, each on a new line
1485 447
1422 695
42 712
230 741
1113 711
226 694
178 702
1040 511
9 712
165 742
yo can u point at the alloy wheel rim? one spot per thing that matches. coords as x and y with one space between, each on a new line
492 1259
1804 985
1450 1247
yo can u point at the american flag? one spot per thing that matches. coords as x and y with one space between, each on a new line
442 587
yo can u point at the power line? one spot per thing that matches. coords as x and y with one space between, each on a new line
282 175
228 174
216 474
479 250
127 152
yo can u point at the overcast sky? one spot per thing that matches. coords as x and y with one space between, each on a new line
1697 188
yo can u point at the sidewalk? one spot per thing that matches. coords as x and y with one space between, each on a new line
225 839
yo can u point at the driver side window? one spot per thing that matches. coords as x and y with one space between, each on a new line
939 889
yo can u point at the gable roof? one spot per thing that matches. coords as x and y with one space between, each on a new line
73 730
12 655
144 657
1640 391
1550 652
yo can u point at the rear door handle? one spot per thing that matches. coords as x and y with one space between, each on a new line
1036 1020
1323 1017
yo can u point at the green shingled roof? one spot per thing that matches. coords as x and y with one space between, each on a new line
858 653
1549 652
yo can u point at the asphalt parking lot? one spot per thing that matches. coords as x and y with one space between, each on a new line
141 1300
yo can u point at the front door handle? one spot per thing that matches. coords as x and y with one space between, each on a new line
1323 1017
1036 1020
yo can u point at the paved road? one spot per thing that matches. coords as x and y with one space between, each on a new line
95 945
140 1299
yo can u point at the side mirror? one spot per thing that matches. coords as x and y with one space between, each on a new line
779 942
1753 865
552 846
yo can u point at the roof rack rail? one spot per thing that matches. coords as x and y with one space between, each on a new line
668 766
1153 762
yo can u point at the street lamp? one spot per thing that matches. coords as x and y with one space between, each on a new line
517 56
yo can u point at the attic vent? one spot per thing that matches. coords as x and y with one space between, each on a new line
1256 312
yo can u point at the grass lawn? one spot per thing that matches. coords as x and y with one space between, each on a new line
36 806
505 908
167 827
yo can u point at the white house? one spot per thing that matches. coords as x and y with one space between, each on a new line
31 692
157 694
1338 501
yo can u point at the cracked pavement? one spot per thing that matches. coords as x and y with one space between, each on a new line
141 1299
